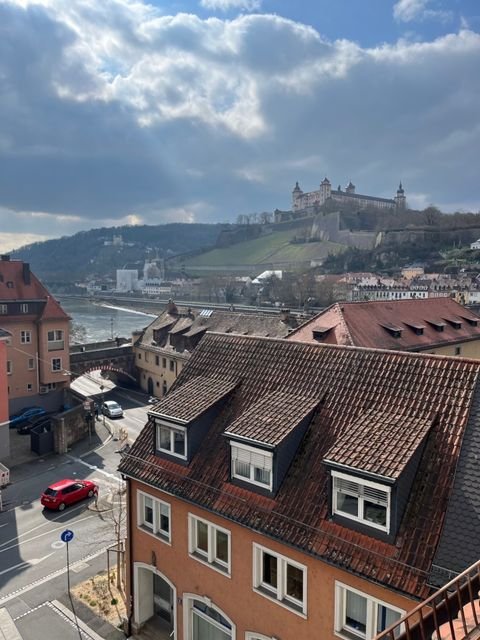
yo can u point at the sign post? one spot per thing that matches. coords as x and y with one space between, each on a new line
67 536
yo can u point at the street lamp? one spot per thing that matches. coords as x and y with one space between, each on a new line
101 389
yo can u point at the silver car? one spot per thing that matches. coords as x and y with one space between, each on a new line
112 409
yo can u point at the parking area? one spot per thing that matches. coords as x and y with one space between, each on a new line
54 621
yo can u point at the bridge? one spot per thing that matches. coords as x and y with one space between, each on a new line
115 356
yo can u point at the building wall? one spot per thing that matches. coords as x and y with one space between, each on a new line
169 366
46 356
234 595
4 428
465 349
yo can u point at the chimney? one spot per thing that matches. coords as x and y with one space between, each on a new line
172 307
285 315
26 273
5 258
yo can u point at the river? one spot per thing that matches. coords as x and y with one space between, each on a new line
101 322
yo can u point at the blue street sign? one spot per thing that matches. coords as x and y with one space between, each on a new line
66 535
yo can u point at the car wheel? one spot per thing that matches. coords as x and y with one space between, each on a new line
90 493
61 506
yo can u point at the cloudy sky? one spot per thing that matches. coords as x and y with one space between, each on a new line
123 111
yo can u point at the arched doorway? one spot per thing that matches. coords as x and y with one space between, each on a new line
205 621
150 386
155 601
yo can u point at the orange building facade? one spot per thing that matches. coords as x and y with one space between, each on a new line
189 597
38 356
296 490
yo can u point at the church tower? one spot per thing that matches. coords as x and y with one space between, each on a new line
400 199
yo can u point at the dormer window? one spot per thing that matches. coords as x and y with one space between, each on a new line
172 440
361 500
252 465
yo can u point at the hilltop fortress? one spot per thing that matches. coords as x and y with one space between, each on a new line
304 200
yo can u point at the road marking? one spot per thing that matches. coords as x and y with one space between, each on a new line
40 535
26 563
49 577
93 467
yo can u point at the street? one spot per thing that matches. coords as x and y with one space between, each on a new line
32 555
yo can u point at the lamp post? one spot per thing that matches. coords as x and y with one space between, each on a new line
101 389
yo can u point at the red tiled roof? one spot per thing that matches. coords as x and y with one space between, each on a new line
272 418
381 443
53 311
348 381
189 401
365 324
12 271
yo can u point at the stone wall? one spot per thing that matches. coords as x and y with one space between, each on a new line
69 427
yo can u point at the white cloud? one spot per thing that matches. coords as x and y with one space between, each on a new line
228 5
123 109
409 10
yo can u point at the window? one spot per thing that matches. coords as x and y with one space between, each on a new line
164 363
25 337
252 465
31 363
56 364
360 616
164 388
361 500
24 308
29 387
205 621
3 309
9 367
251 635
154 515
146 357
157 360
55 340
172 440
280 578
209 543
139 356
172 365
458 351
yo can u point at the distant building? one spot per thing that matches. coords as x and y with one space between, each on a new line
38 355
127 280
412 271
303 200
475 245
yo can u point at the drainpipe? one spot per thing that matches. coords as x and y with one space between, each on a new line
37 365
130 559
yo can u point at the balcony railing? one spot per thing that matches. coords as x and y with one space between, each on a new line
56 345
451 613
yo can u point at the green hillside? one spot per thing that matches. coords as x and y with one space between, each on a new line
274 248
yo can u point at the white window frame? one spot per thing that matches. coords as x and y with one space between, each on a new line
155 528
342 630
57 335
3 309
251 635
24 308
9 367
279 595
25 337
172 429
268 455
210 557
56 369
188 605
32 362
362 483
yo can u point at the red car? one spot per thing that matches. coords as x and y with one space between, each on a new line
65 492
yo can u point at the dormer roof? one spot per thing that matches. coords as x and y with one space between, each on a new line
188 402
380 443
270 420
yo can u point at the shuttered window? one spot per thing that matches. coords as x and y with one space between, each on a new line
252 465
361 500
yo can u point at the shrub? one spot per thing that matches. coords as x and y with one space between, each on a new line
93 603
114 601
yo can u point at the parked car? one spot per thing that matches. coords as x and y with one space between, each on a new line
63 493
40 421
26 414
112 409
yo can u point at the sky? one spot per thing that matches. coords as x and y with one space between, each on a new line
128 112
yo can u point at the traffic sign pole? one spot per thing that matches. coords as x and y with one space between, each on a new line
67 536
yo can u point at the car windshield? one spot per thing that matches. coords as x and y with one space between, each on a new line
50 492
113 405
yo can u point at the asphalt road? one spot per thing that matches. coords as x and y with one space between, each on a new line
32 555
